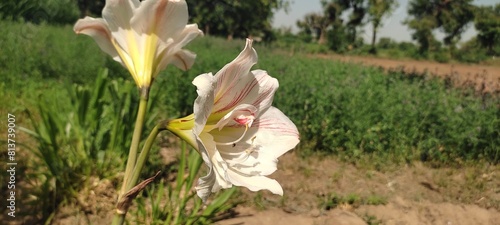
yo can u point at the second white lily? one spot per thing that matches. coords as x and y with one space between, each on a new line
235 128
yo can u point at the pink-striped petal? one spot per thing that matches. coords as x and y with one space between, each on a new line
237 85
234 73
275 132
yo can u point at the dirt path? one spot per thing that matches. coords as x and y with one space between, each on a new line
399 212
483 78
412 195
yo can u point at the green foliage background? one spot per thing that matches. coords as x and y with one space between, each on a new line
359 114
339 108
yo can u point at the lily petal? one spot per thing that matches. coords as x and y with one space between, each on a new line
215 179
257 88
98 30
275 132
234 73
256 183
258 163
205 84
118 13
184 59
206 184
163 18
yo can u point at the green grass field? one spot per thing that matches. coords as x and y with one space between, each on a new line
360 114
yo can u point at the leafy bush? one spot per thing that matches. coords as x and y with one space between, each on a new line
386 43
353 111
441 56
338 39
83 140
471 52
38 52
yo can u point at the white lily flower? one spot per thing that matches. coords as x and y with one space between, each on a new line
143 36
235 128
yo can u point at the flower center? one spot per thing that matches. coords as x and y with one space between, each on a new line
233 143
246 120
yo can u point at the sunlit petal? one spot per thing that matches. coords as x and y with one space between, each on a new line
118 13
170 51
97 29
163 18
255 183
205 85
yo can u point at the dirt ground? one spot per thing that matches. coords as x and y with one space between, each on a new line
483 77
410 195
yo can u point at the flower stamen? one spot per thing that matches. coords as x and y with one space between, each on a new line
246 154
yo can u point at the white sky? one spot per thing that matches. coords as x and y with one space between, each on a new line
392 26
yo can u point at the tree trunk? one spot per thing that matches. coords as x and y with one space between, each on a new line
322 36
373 50
207 30
83 6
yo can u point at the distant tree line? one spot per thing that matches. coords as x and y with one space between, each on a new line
228 18
341 21
337 26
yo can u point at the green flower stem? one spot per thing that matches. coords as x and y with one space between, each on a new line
119 217
144 154
132 156
134 146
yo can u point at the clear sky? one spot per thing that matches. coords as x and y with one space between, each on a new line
392 26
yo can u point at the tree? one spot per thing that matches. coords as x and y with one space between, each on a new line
234 18
358 10
90 7
487 24
377 9
318 23
450 16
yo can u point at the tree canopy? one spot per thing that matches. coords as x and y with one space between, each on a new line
487 24
234 18
449 16
377 9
